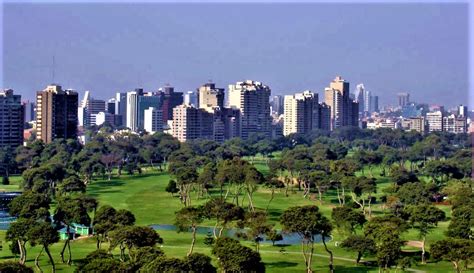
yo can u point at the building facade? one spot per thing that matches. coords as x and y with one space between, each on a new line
170 100
210 96
434 121
252 99
301 113
344 111
191 123
11 119
153 120
403 99
56 113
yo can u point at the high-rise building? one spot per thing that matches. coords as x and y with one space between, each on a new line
210 96
88 109
103 117
29 111
153 120
277 104
144 102
191 97
170 100
301 113
121 108
403 99
374 106
252 99
462 111
192 123
414 124
455 124
360 96
111 106
56 113
435 121
324 115
343 111
132 110
11 119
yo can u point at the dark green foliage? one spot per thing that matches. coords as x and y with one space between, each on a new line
360 244
234 257
347 219
5 180
199 263
454 251
14 267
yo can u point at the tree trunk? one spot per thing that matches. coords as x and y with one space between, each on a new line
359 256
271 199
214 230
423 259
193 241
250 201
61 254
51 260
456 267
303 251
69 261
331 257
37 262
22 253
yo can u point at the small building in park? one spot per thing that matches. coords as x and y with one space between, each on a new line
75 230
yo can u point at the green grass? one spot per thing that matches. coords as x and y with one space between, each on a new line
145 196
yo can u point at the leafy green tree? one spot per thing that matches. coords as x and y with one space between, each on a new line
234 257
44 234
223 213
423 218
166 265
360 244
462 221
361 189
30 205
347 219
172 187
274 236
132 237
189 218
14 267
400 176
141 256
71 184
199 263
18 233
101 262
454 251
307 221
413 193
257 225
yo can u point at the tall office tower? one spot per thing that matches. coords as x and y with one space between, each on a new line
435 121
353 113
277 104
29 110
132 110
111 106
56 113
121 108
210 97
144 102
360 96
252 98
462 111
11 119
170 100
88 109
192 123
337 97
191 97
301 113
153 120
403 99
374 106
324 116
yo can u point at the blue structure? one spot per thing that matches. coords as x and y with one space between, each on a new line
5 217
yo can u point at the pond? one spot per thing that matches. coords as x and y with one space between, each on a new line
288 238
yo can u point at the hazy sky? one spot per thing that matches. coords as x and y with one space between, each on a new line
105 48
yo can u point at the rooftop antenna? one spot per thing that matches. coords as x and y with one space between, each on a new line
53 68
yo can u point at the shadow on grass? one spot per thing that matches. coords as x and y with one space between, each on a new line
281 264
352 269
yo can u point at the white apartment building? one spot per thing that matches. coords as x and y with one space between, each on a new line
153 120
300 113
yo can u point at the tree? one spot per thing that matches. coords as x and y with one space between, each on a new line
100 261
462 221
44 234
223 212
18 233
454 251
166 265
360 244
71 184
413 193
30 205
69 211
189 217
256 222
423 218
199 263
141 256
172 187
347 219
272 183
234 257
130 237
274 236
14 267
307 222
361 189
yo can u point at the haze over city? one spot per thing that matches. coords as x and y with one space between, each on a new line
107 48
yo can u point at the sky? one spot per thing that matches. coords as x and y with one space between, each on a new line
106 48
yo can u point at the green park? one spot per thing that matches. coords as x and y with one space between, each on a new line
352 201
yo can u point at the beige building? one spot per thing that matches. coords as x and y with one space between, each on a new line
344 112
455 124
210 97
56 113
191 123
414 124
252 99
301 113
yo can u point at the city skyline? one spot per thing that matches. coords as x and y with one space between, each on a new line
278 51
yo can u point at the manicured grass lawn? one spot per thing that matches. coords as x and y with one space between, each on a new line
145 196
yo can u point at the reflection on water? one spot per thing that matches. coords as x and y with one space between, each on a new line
288 238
